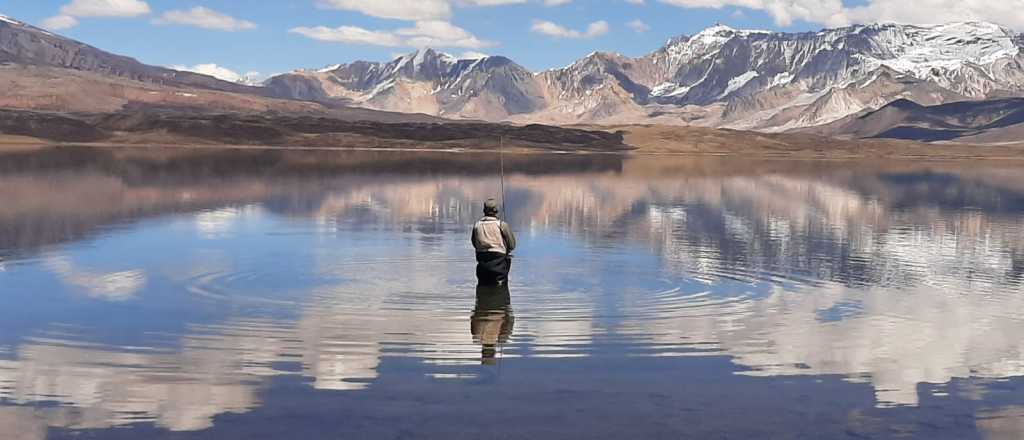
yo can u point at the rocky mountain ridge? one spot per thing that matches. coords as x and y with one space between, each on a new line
720 77
27 45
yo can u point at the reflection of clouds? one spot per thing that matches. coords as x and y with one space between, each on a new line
21 424
122 388
893 340
934 301
931 326
798 275
1006 424
339 341
217 223
113 286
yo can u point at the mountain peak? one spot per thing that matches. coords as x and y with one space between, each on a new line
426 53
714 35
715 29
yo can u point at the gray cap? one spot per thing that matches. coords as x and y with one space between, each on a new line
491 206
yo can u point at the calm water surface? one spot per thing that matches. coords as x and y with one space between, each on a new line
187 294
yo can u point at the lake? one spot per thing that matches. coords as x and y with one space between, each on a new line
265 294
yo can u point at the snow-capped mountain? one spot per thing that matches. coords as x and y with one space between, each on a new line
422 82
718 77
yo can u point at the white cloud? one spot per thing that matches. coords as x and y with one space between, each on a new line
635 2
69 13
59 22
556 2
440 34
412 10
1005 12
205 18
105 8
595 29
349 35
220 72
431 33
491 2
472 55
111 286
784 12
834 13
638 26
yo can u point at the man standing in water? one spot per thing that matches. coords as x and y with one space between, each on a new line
494 243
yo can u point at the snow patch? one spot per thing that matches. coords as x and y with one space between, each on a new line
738 82
382 87
417 61
330 68
929 51
782 79
670 89
10 20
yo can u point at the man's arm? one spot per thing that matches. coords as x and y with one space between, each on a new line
508 236
474 239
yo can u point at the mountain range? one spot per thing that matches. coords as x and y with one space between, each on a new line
721 77
824 82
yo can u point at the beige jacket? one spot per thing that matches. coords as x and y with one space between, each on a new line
493 235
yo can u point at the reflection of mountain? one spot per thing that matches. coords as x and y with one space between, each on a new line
895 279
856 229
64 194
891 274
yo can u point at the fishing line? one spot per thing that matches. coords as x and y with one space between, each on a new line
501 161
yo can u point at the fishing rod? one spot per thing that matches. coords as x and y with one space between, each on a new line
501 161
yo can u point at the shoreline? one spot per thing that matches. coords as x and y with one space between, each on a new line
751 154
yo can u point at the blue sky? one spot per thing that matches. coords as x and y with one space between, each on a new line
278 36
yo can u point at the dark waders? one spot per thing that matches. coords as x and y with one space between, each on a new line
492 268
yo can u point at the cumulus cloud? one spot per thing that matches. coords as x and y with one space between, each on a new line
220 72
412 10
440 34
59 22
431 33
1005 12
784 12
490 2
69 13
556 2
638 26
551 29
835 13
105 8
205 18
349 35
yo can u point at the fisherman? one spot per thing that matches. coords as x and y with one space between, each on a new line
494 243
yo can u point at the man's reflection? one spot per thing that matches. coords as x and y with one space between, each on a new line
492 321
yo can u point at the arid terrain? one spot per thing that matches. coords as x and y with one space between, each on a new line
152 127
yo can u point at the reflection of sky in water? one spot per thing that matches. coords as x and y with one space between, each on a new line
361 284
